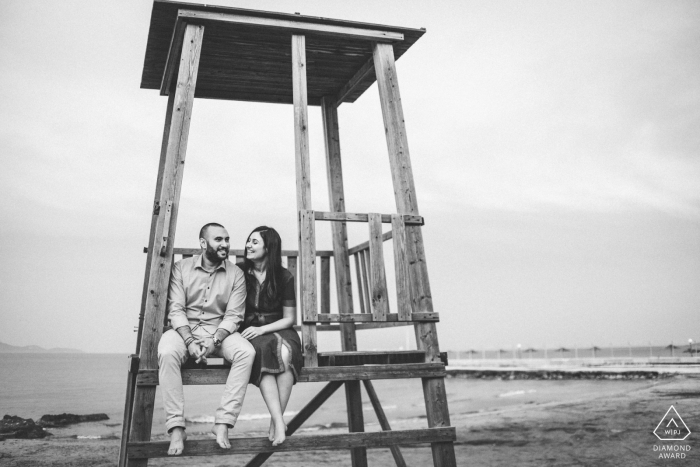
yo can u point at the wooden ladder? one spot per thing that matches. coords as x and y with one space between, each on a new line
348 367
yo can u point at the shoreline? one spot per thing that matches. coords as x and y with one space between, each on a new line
525 423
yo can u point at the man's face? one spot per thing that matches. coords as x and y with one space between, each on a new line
215 244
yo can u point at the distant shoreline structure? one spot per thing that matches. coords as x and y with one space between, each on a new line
7 348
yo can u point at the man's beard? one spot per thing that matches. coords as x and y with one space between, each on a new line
213 256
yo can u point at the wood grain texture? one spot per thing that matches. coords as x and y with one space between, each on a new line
336 199
325 285
294 26
241 253
350 373
159 273
403 285
248 62
361 217
367 317
383 421
301 123
379 295
308 265
356 421
209 447
149 378
365 72
365 245
407 203
360 291
364 268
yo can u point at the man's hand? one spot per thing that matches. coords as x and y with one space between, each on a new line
195 349
252 332
208 347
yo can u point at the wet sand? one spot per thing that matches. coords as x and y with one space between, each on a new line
524 423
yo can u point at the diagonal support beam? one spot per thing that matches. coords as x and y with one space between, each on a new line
299 419
383 421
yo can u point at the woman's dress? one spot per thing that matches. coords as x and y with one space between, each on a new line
259 311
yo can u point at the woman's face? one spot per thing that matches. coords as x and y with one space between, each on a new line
255 247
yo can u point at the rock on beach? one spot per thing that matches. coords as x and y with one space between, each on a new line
64 419
12 426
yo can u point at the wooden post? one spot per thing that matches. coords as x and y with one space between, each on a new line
406 203
325 284
131 383
380 301
303 173
159 266
403 287
336 197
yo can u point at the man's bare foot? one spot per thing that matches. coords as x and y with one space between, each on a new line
177 441
279 433
221 432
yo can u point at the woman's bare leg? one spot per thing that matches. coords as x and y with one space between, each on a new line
268 389
284 381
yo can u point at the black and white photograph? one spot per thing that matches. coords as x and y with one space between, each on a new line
360 233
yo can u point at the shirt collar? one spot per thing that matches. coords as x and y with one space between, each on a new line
199 263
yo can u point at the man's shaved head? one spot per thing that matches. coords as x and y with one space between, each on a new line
203 230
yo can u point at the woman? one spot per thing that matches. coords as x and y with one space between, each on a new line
269 316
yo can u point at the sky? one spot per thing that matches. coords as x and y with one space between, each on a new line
555 150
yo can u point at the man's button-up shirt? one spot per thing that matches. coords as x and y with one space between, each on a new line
208 299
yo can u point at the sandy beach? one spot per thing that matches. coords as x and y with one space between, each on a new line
527 423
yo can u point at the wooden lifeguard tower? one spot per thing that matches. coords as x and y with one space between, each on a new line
235 54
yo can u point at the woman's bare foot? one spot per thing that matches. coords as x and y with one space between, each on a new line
177 441
221 432
279 433
271 433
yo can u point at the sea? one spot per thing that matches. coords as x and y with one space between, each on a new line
32 385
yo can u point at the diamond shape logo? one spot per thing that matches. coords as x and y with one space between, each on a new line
672 427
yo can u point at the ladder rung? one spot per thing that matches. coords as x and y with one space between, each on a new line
208 447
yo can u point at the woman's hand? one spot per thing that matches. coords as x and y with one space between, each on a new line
252 332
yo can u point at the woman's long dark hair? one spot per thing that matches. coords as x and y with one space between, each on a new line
273 267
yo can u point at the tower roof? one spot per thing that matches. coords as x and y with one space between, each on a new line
246 54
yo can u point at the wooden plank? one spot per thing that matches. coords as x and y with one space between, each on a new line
383 421
299 419
379 293
353 83
171 65
131 379
367 317
209 447
356 421
365 281
149 378
359 326
360 217
160 266
350 373
297 27
403 286
325 284
365 245
360 292
336 200
308 266
407 203
301 123
241 253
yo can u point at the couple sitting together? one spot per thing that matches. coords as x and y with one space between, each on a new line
242 312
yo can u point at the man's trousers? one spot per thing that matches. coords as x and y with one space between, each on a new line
172 353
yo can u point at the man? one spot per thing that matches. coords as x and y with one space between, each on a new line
206 303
